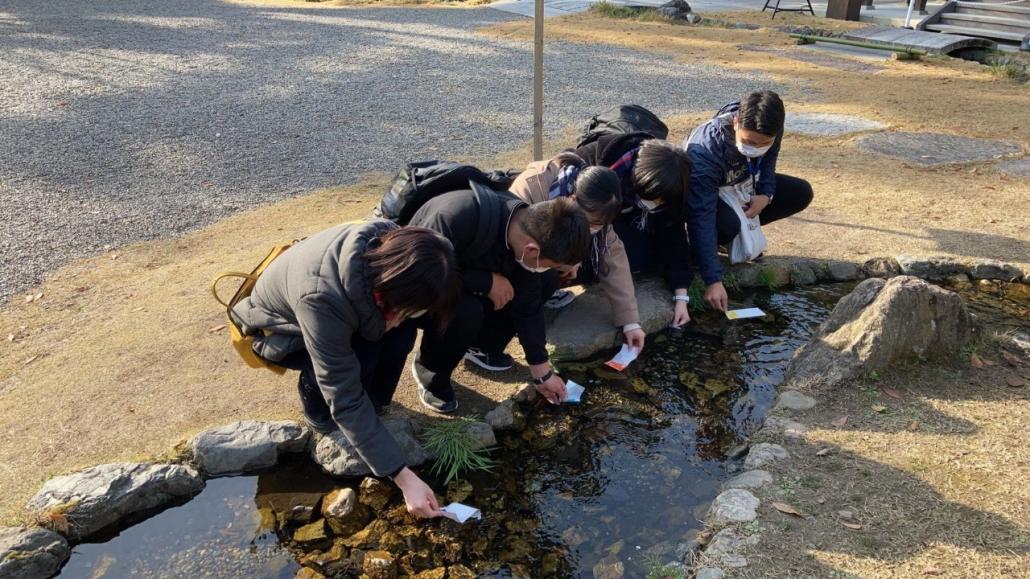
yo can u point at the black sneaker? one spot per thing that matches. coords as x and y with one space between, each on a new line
559 299
492 362
320 426
431 400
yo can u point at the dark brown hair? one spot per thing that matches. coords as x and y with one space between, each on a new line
561 229
662 171
414 269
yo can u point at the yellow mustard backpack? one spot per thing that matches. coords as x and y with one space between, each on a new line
241 343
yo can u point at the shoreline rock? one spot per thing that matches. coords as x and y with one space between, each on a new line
246 446
30 553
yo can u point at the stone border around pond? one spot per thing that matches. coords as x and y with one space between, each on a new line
73 507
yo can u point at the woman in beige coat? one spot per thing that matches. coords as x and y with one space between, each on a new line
597 191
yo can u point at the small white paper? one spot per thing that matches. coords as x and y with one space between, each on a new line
573 392
623 358
461 513
745 313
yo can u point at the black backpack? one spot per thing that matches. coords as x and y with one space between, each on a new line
623 119
420 182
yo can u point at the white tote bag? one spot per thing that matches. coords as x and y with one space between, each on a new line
751 242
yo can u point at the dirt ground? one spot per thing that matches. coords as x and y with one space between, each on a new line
121 356
929 466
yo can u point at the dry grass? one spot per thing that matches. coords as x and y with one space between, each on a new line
937 481
360 3
117 360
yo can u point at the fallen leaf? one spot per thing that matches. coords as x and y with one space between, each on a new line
823 451
892 393
839 422
139 309
1015 382
114 256
933 571
217 328
852 526
31 360
989 362
914 425
788 510
10 337
30 299
975 361
820 500
1011 359
37 297
880 409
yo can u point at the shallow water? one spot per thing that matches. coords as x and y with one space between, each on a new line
626 476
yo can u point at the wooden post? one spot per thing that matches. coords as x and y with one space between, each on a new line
538 83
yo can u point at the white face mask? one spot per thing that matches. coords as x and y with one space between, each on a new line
648 205
595 228
752 152
538 269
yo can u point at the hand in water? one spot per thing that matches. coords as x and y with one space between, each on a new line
418 497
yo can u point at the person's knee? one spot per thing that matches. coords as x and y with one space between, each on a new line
804 194
468 319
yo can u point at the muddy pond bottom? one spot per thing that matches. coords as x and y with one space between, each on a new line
613 486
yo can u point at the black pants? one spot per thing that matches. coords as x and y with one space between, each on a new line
792 196
475 324
381 365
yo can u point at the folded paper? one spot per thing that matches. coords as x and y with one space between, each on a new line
623 358
461 513
745 313
573 392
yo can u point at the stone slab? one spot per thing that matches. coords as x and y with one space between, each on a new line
829 124
1017 167
931 42
27 553
935 149
247 445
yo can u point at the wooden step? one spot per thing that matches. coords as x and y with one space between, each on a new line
986 22
979 32
1016 11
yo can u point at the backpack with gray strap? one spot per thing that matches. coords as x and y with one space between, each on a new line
623 119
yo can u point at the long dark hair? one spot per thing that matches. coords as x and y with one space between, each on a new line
414 269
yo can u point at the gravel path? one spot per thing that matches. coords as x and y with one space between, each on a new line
126 120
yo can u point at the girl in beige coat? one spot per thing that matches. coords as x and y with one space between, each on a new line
597 190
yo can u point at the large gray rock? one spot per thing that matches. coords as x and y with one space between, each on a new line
247 446
336 455
733 506
729 542
31 553
80 504
764 453
585 326
879 323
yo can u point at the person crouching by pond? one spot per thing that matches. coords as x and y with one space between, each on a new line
733 156
598 192
503 245
654 176
335 307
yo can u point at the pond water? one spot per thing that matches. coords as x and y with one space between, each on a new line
623 478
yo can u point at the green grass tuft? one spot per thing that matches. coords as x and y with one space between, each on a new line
658 570
696 291
452 445
767 278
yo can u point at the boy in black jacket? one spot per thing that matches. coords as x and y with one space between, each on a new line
502 246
